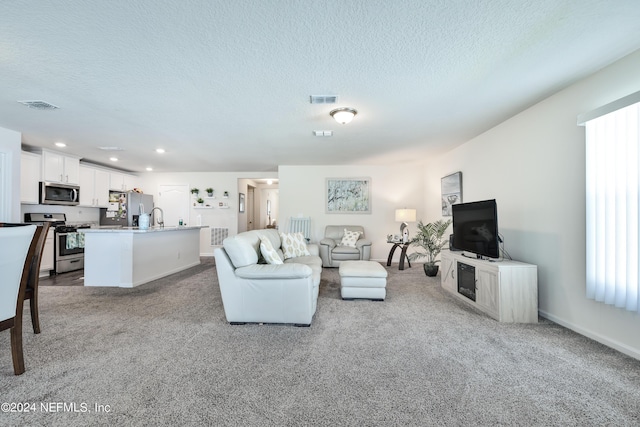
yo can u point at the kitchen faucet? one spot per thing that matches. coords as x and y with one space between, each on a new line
160 220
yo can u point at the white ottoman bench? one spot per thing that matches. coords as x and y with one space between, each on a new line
363 279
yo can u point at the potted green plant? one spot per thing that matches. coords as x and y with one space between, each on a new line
195 191
209 192
431 241
200 201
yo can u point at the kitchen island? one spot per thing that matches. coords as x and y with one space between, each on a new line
127 257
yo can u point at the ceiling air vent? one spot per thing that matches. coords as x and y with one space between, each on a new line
322 132
39 105
324 99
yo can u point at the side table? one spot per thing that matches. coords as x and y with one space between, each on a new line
403 254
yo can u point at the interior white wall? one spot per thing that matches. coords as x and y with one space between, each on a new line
534 166
220 182
303 193
10 179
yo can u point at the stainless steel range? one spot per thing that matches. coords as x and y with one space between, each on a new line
68 254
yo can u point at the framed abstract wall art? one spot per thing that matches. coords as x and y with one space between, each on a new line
451 191
348 195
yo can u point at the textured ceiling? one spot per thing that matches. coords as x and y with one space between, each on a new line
225 85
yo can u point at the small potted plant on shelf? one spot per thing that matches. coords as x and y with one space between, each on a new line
209 192
200 201
195 192
430 239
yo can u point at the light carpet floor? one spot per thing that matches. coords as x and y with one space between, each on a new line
163 354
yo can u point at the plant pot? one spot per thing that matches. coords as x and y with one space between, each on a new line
430 270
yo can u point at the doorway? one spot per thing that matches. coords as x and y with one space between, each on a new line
259 203
251 203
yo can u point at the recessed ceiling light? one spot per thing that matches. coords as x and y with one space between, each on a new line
160 150
113 159
60 144
111 148
149 169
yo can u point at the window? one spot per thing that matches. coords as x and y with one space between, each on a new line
612 163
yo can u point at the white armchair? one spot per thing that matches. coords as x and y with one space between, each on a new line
332 252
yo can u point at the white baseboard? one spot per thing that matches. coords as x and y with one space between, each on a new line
629 351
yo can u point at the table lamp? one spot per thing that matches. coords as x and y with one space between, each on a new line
404 216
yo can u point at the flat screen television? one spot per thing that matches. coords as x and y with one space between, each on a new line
475 228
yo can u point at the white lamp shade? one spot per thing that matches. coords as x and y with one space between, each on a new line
405 215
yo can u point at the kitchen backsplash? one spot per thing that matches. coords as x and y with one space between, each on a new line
74 214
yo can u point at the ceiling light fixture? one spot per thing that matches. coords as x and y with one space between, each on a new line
269 182
160 150
343 115
60 144
149 169
113 159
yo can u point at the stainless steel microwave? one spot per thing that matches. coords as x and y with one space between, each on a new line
53 193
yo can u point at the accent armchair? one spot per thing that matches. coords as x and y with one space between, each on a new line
333 252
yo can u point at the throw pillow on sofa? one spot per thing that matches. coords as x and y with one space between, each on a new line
269 252
293 245
350 238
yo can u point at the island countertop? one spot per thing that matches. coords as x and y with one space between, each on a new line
138 230
128 257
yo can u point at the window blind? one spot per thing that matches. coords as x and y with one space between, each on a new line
612 163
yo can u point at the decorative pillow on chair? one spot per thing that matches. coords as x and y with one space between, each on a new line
268 252
350 238
293 245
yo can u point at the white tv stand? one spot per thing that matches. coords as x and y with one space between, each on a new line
505 290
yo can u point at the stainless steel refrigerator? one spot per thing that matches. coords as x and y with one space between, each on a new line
124 209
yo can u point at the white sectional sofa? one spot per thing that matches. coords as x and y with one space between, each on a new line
253 292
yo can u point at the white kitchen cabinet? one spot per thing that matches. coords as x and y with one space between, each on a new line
46 264
129 181
30 173
94 187
122 182
58 167
505 290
